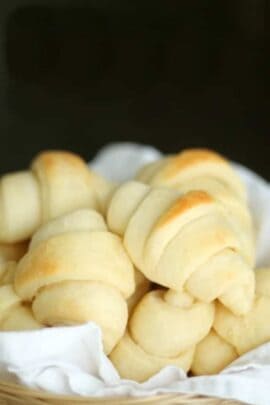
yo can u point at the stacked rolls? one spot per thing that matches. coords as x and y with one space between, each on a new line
77 271
164 264
183 242
234 335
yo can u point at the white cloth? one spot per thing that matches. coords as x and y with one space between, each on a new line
70 360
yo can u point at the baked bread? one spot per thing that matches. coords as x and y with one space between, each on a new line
57 183
192 164
163 330
103 190
202 169
142 286
77 271
212 355
9 255
14 316
183 242
7 272
234 335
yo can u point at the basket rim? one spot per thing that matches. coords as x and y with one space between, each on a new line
11 387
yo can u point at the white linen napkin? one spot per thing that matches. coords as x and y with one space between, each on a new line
70 360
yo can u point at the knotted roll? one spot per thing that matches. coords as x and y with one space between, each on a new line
77 271
163 330
201 169
15 316
183 242
57 183
234 335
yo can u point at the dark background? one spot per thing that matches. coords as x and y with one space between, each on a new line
76 75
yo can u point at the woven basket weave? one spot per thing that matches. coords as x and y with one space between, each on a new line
11 394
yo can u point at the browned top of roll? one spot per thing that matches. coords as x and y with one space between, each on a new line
185 203
192 157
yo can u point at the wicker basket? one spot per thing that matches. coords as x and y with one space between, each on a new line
12 394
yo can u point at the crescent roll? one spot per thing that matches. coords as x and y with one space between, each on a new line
205 170
56 183
77 271
183 242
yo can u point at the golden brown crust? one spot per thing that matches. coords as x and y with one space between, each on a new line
51 164
189 158
183 204
50 160
66 183
75 256
45 268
